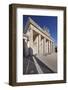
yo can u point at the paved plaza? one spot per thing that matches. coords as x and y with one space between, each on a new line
49 60
39 64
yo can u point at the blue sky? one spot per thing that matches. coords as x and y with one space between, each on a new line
48 21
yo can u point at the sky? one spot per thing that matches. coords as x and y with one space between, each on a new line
44 21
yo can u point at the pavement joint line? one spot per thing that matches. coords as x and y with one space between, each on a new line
37 66
27 66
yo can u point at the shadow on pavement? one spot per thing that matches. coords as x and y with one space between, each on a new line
44 68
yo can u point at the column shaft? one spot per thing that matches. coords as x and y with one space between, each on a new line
49 46
31 42
44 46
39 44
53 48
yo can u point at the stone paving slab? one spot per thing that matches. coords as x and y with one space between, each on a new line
50 61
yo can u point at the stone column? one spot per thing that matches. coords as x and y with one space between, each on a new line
49 46
53 48
39 44
31 42
44 46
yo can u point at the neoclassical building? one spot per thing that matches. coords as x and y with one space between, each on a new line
37 40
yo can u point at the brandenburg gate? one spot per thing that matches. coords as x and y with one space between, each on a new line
39 41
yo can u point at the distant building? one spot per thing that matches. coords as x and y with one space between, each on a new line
37 40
